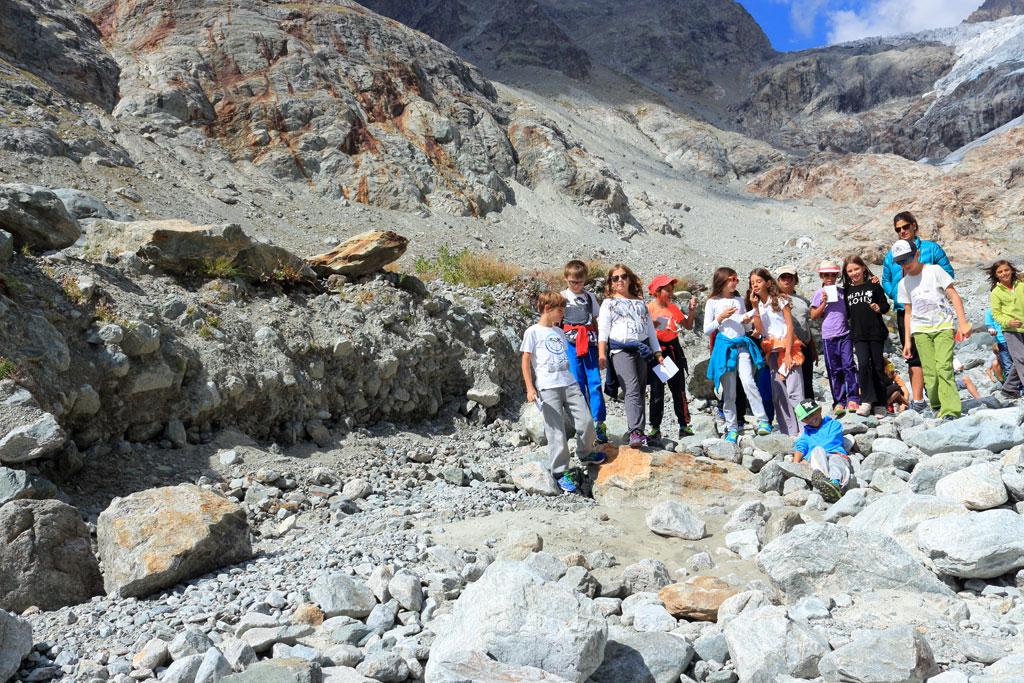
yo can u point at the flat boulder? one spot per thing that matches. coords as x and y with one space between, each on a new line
988 432
698 599
978 487
634 477
766 646
26 432
361 255
898 515
36 218
650 657
477 667
279 670
520 619
156 538
980 545
815 559
893 655
182 248
46 557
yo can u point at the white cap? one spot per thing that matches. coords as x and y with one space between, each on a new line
902 251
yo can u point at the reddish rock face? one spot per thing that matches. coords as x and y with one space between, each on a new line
362 254
698 599
633 476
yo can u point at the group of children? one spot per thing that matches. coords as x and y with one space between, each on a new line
577 338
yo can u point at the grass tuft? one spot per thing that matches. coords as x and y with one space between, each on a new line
7 368
465 267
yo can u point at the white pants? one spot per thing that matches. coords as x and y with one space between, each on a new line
835 466
745 369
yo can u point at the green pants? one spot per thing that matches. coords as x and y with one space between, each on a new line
936 351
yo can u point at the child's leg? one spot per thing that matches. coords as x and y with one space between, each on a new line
878 376
830 352
631 370
657 399
926 351
611 380
1005 359
677 387
807 372
780 397
838 469
1015 346
582 420
745 370
949 398
867 374
849 369
729 400
594 395
554 429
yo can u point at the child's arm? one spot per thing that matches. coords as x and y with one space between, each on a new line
602 355
882 300
787 313
531 391
965 327
817 312
688 317
907 314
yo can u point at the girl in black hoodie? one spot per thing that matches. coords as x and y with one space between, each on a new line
866 303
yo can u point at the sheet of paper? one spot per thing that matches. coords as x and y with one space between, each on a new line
832 293
667 370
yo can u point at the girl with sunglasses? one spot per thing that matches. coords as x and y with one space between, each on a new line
626 334
733 353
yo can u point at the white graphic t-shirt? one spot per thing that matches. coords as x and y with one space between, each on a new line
926 293
547 348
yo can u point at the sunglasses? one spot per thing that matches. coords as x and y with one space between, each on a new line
733 278
905 226
617 278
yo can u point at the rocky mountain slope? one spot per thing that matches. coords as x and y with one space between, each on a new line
992 10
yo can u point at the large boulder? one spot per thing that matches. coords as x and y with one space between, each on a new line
279 670
980 431
635 477
477 667
182 248
979 545
20 485
825 558
766 646
46 556
642 657
898 514
15 644
517 617
978 487
157 538
82 205
672 518
893 655
698 599
361 255
26 431
340 595
36 218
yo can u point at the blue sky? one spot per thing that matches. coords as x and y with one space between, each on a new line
801 24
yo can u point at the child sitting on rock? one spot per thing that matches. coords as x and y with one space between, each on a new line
556 391
821 445
898 394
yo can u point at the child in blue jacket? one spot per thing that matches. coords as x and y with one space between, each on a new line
821 444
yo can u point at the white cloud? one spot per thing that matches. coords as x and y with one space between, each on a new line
891 17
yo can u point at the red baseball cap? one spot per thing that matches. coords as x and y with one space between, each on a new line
660 281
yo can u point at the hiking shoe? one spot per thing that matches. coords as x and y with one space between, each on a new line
601 429
764 427
864 409
852 407
595 458
828 489
637 440
733 436
567 483
948 418
919 406
654 433
685 431
838 410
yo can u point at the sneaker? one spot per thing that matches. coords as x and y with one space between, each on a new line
919 406
948 418
828 488
595 458
764 427
1008 395
733 436
852 407
685 431
601 429
881 411
654 433
567 483
838 410
864 409
637 440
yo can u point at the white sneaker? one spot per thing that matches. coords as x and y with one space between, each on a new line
864 409
880 411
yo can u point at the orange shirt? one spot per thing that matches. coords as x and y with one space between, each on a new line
666 321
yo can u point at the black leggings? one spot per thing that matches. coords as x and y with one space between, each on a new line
676 387
871 372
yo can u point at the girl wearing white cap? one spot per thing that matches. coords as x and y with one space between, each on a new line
837 348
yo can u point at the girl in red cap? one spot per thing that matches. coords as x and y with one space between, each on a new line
667 319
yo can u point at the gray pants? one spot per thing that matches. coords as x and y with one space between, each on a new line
1015 345
786 394
555 404
834 465
631 369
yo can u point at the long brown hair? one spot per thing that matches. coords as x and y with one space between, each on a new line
860 262
773 289
991 270
636 290
720 279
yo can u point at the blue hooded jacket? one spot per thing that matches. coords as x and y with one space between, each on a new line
892 272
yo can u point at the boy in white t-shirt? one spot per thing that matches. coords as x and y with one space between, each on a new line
555 390
930 302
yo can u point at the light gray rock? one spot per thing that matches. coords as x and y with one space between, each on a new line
979 431
810 607
775 443
338 594
648 657
36 217
6 246
653 619
15 643
20 485
675 519
749 515
741 602
766 645
978 487
82 205
46 556
286 670
405 587
771 478
744 543
31 441
189 642
511 606
475 666
1013 480
898 514
712 647
213 668
720 449
534 478
974 545
547 565
645 576
927 473
826 558
152 655
852 502
894 655
387 667
263 639
153 539
356 489
238 653
183 670
580 580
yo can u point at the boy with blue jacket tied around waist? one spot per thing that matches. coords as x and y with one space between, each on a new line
821 445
